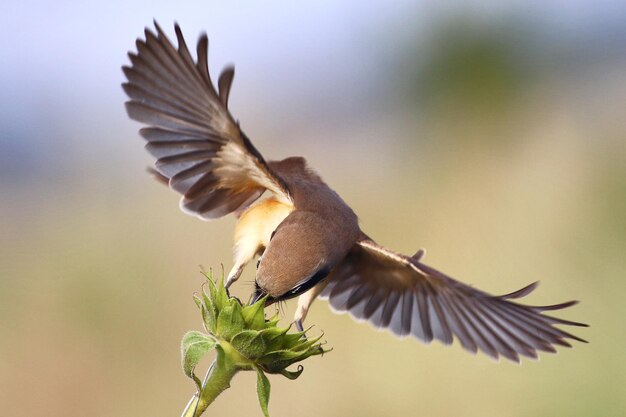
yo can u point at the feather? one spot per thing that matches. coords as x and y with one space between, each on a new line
199 149
403 294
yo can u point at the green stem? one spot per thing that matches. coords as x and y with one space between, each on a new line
217 379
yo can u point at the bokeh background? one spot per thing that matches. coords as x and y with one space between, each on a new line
491 133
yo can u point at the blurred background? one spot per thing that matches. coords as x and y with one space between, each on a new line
491 133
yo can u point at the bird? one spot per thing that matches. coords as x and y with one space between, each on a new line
307 239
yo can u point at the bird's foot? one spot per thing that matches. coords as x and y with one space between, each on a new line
299 326
234 275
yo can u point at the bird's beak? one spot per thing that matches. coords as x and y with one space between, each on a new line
258 294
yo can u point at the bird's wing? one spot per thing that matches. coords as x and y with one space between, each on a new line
402 294
200 150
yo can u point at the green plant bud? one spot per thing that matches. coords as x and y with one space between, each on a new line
244 340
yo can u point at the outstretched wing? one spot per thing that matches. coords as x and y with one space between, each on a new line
401 293
200 150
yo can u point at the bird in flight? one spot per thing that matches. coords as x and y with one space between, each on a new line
308 239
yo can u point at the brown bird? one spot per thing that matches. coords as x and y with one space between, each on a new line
308 238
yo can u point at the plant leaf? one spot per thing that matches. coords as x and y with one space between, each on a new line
263 391
230 321
249 343
212 296
292 374
221 298
291 340
209 314
197 300
193 347
273 321
254 315
273 337
304 344
275 362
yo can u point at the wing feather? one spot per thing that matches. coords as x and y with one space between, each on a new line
199 148
403 294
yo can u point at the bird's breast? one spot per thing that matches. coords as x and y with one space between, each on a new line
255 225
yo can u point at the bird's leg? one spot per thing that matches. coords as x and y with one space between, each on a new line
244 253
304 303
234 274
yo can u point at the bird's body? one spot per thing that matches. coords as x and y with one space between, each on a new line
311 240
308 238
302 232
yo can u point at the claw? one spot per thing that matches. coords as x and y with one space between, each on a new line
234 275
299 326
